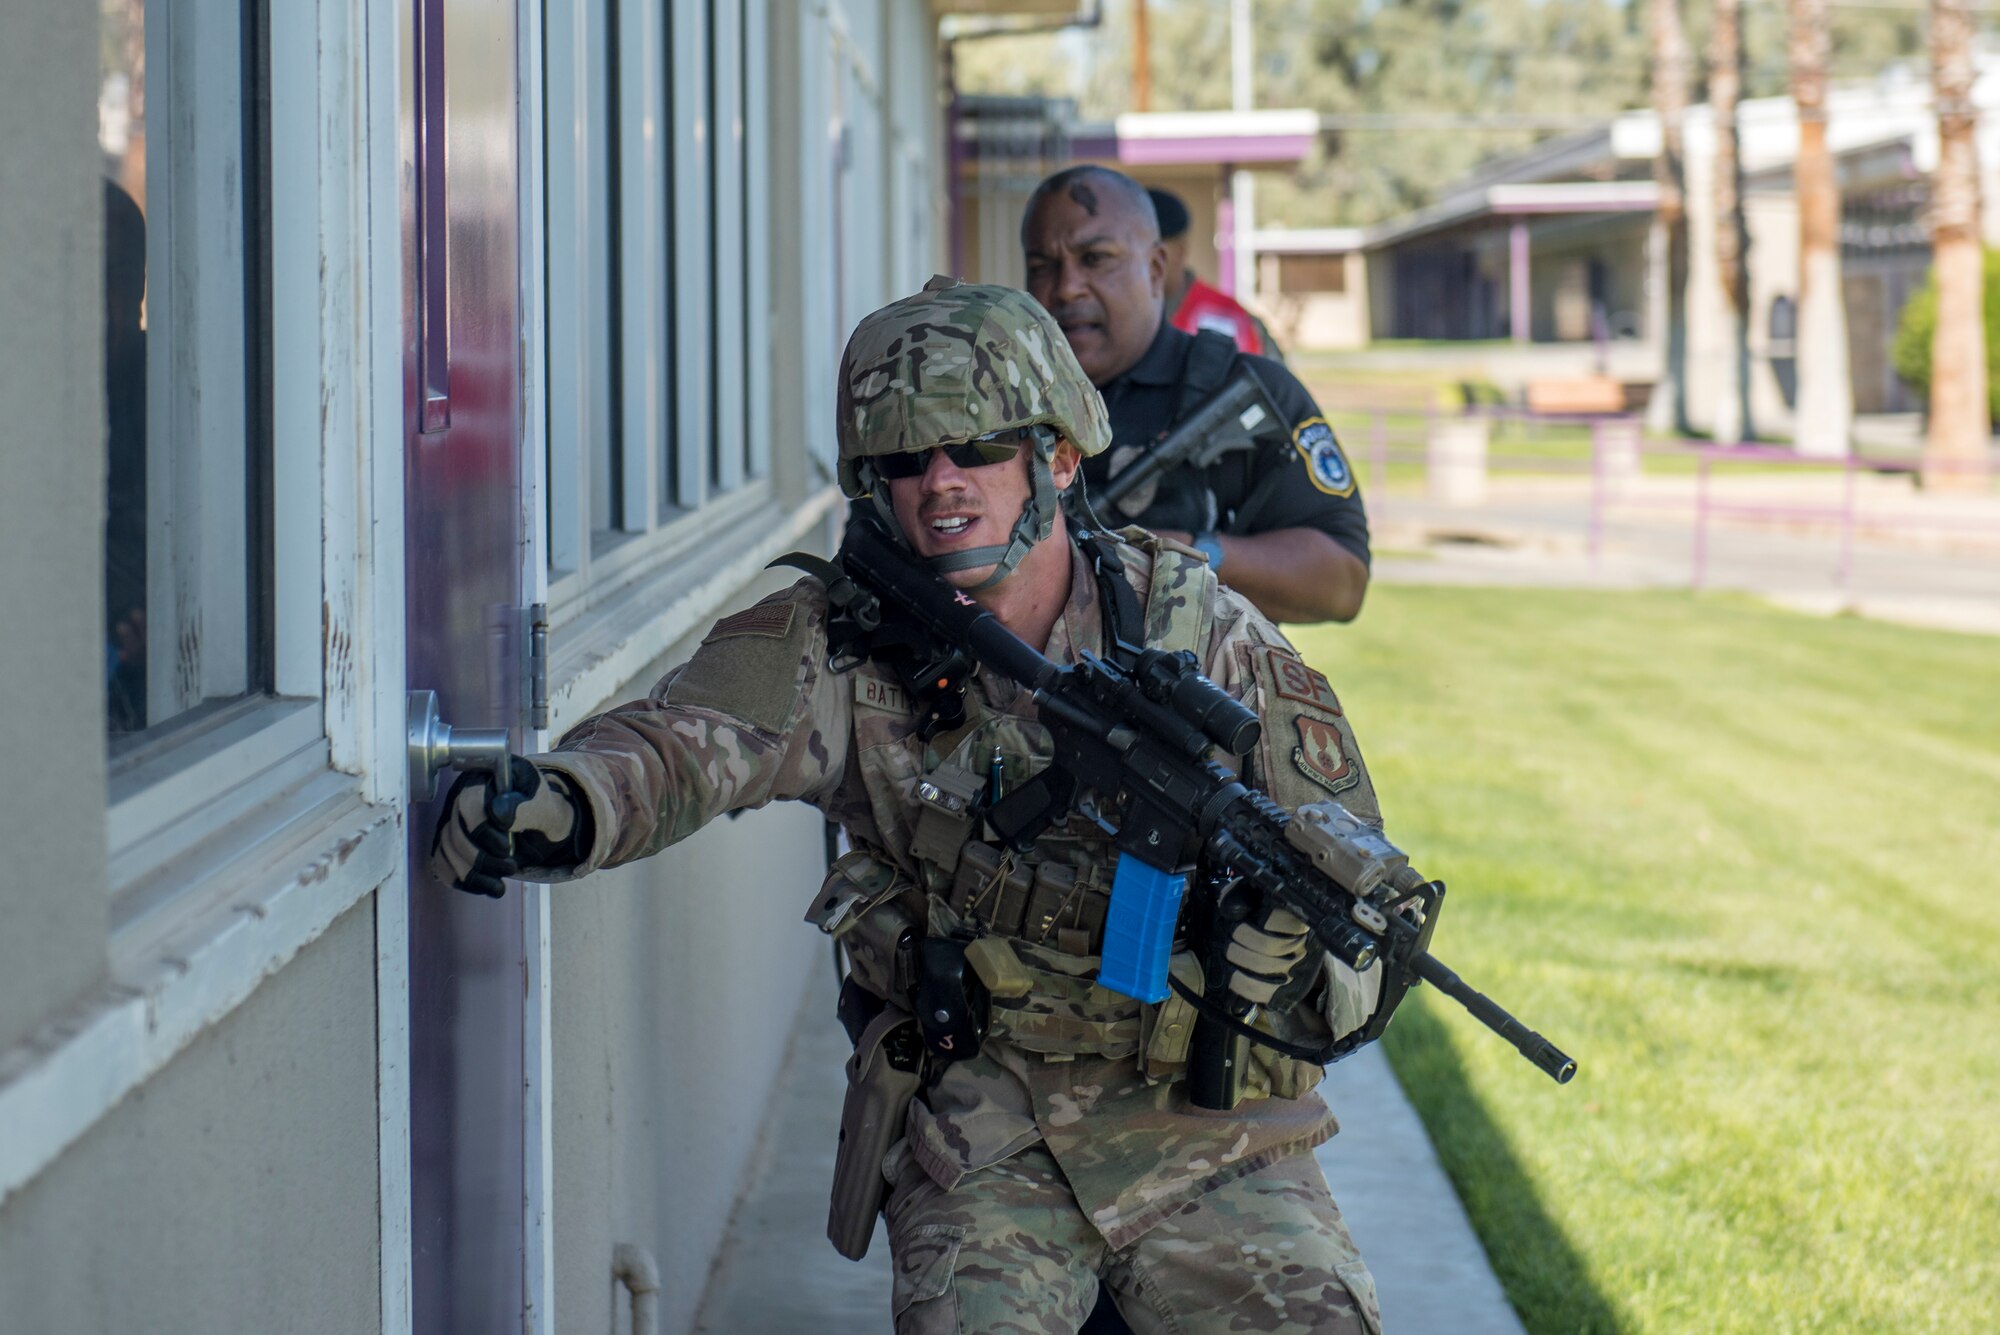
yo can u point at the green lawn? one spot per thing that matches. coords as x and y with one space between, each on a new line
1740 864
1516 448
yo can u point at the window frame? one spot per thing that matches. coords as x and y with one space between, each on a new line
240 834
693 222
240 361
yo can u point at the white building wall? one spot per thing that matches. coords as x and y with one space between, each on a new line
1316 320
236 1190
677 984
1773 224
52 889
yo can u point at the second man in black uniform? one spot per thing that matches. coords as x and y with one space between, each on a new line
1282 523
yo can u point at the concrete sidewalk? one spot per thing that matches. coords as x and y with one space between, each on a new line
1536 534
778 1275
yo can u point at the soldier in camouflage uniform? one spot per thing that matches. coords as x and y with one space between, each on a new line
1062 1154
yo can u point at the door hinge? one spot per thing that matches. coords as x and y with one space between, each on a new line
538 665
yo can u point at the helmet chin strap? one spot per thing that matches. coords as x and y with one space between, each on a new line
1037 522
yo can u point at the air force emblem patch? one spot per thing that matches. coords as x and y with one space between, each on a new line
1321 757
1325 464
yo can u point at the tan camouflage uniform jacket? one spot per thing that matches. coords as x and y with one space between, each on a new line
756 716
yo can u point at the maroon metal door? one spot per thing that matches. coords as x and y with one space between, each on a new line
462 471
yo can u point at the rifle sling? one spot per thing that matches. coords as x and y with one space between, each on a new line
1215 1014
1208 364
1274 482
1124 624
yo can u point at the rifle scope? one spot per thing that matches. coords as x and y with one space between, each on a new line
1175 680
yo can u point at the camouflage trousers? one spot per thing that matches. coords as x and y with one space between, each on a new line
1008 1252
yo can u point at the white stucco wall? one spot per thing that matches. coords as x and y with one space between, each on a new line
1323 320
676 984
233 1192
52 460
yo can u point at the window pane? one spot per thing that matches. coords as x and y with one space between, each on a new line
1312 273
604 277
186 539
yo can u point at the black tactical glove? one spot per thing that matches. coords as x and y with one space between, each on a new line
487 834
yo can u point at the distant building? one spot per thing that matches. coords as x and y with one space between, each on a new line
1557 244
1005 145
1313 286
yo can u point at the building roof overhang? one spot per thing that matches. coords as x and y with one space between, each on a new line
1004 8
1521 200
1275 138
1307 240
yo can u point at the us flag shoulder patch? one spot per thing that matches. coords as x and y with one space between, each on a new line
770 620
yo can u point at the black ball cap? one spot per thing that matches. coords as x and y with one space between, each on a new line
1173 213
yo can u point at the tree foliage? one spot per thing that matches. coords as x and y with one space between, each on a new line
1911 353
1584 58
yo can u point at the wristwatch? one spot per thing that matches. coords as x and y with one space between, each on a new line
1210 546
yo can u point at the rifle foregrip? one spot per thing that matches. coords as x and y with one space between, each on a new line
1139 929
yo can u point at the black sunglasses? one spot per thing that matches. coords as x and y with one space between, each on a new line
982 452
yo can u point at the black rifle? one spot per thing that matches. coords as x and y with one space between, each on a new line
1132 746
1235 417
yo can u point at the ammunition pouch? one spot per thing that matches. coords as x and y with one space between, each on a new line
863 905
882 1077
1044 904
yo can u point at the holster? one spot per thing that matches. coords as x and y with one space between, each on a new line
882 1078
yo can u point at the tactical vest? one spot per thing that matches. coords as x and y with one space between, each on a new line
1039 915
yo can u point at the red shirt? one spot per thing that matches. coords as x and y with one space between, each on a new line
1205 307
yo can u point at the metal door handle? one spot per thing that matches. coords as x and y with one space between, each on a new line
436 746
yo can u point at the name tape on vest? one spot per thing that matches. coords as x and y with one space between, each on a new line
878 694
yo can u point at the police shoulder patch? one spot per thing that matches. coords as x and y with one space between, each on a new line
1325 464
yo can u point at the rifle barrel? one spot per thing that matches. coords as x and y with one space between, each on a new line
1558 1065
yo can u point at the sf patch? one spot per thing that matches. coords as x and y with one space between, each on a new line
1292 680
1307 750
752 666
771 620
1325 464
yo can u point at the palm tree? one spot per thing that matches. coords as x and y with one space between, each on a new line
1670 62
1955 450
1826 395
1142 59
1732 235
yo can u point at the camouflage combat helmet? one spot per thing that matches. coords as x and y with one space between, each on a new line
953 363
